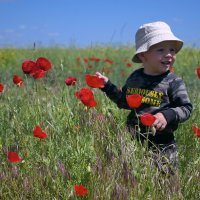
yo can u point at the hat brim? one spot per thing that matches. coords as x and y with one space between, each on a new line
178 45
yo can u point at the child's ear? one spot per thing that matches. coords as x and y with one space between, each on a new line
141 56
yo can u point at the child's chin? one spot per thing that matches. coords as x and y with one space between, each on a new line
166 68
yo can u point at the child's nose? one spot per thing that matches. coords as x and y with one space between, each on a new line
168 53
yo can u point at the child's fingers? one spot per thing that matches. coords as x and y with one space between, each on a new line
98 74
101 76
159 124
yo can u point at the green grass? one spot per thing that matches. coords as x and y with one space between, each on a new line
85 146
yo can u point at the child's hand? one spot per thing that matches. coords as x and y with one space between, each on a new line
160 122
102 77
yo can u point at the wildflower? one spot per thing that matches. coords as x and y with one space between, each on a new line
147 119
196 130
107 60
28 66
97 59
39 133
134 100
94 81
1 87
86 60
37 73
36 69
13 157
70 80
198 72
18 80
86 96
90 66
80 190
43 63
129 65
94 59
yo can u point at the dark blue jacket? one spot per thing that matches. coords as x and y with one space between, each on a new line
164 93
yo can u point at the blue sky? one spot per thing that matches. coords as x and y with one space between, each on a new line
92 22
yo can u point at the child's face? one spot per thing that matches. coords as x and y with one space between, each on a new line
159 58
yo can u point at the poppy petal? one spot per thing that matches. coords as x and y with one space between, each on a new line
134 100
17 80
198 72
70 80
28 66
39 133
94 81
90 103
107 60
86 96
147 119
1 87
37 73
196 130
13 157
44 63
80 190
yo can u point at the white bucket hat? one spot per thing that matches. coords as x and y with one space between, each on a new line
152 33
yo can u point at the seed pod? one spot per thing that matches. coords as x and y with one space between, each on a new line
153 130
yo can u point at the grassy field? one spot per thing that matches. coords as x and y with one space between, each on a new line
89 147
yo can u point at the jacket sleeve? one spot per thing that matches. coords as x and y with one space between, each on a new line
116 95
181 108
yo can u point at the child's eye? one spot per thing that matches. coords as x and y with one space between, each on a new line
172 50
160 50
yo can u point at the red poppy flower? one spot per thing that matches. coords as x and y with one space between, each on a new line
70 80
196 130
80 190
198 71
37 73
43 63
147 119
28 66
97 59
86 96
39 133
129 65
94 81
108 61
94 59
2 87
86 60
90 66
18 80
13 157
134 100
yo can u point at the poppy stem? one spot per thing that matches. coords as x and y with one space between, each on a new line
138 121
